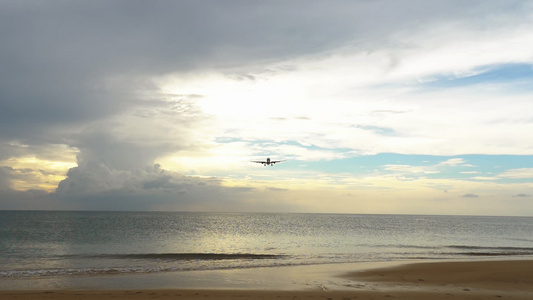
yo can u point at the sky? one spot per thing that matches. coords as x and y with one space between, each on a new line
383 106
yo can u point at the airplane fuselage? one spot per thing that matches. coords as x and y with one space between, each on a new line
267 162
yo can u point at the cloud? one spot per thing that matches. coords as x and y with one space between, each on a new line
522 195
452 162
117 87
425 169
31 199
275 189
378 130
517 173
96 178
106 57
97 187
484 178
470 196
410 169
5 177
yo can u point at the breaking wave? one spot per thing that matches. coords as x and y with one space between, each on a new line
492 251
184 262
187 256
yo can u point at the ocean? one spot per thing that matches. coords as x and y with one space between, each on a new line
42 244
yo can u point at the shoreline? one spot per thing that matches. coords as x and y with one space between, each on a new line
465 279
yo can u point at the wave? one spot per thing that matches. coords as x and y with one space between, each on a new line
453 251
150 263
489 247
161 262
183 256
450 251
69 271
491 251
139 263
518 249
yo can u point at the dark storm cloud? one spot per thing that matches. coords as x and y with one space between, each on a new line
136 138
32 199
70 63
5 175
97 145
97 178
57 58
52 152
95 186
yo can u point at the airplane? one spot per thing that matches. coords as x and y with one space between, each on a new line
268 162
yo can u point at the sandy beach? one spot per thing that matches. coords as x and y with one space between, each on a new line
511 279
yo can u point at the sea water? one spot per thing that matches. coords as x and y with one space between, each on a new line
41 244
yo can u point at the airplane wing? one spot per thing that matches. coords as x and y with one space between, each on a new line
258 161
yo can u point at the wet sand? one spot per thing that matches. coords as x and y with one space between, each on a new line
511 279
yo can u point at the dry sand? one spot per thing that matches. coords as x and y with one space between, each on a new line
510 279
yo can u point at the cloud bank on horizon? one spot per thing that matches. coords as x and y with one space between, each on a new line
378 106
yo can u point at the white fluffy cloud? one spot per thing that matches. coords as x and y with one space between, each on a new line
518 173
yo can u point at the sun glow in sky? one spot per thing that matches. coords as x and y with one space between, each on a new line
420 107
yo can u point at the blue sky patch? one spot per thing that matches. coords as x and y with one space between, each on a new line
506 73
467 167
